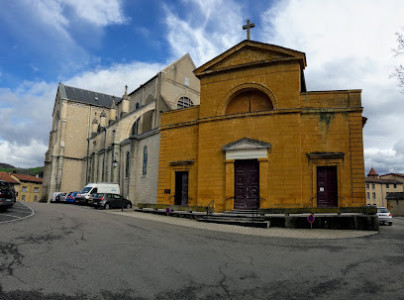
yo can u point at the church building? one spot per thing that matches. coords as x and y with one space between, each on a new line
259 139
102 138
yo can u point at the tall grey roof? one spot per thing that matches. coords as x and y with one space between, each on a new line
87 97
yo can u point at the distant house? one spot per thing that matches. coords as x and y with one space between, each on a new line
377 188
29 187
4 176
395 202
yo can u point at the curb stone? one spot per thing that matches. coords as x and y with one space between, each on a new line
263 232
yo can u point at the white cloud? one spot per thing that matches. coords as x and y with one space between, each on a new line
52 31
209 28
23 111
112 80
98 12
23 156
50 13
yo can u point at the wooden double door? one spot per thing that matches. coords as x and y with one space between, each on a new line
327 189
246 184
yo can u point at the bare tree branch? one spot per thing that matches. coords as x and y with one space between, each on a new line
399 70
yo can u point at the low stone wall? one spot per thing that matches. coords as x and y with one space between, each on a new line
358 222
396 207
358 218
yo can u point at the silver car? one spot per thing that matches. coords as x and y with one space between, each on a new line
384 216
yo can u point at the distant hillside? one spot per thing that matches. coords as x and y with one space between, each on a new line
6 166
30 171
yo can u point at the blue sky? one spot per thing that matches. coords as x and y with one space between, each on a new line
102 45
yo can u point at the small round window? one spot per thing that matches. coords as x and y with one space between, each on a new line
184 102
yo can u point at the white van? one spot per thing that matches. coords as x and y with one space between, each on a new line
99 187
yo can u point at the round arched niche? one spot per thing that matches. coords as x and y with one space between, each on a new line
248 100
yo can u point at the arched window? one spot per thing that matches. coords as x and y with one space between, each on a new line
135 128
144 170
184 102
127 164
248 100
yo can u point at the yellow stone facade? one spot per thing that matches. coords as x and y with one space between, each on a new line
29 188
254 106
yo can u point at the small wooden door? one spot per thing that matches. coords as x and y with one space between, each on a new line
181 188
246 181
327 189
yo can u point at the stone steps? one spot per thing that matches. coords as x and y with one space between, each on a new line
235 219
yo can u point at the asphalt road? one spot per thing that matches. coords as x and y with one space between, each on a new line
17 212
71 252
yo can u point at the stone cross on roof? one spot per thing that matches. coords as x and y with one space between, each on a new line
248 27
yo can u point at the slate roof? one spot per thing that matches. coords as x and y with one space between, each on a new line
394 174
7 178
87 97
27 178
371 179
395 196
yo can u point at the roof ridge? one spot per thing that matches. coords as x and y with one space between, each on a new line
72 87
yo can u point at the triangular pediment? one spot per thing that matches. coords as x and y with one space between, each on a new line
246 144
248 54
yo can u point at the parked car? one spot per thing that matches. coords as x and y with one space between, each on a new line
107 201
384 216
54 195
90 200
61 197
98 187
83 200
7 195
70 197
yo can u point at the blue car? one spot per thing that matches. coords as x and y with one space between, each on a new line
70 197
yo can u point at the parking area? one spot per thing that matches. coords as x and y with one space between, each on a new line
19 211
75 252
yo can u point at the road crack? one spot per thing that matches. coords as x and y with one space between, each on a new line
223 280
10 258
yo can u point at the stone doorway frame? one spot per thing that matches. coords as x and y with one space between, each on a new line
245 149
325 159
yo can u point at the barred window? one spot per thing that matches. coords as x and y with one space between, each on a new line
184 102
